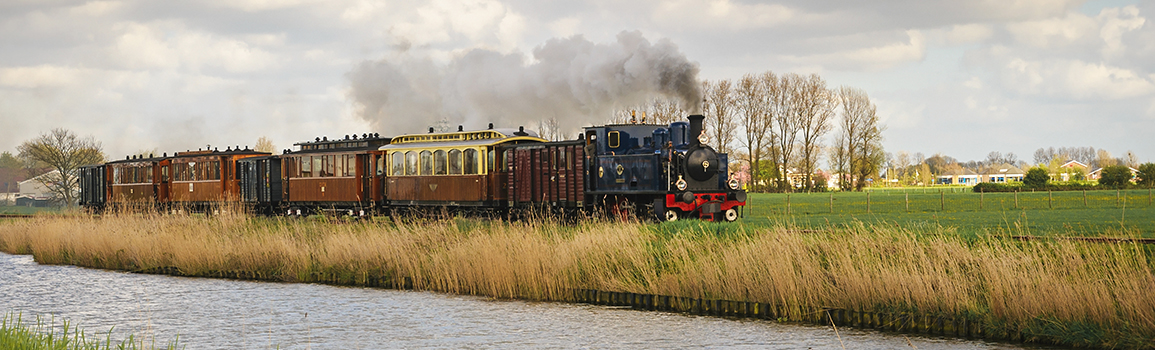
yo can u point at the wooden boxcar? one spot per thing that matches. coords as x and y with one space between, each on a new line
456 169
546 175
93 187
336 175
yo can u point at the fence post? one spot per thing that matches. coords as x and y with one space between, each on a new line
868 202
1084 198
1050 202
981 193
1016 199
941 201
907 202
787 203
832 202
1116 197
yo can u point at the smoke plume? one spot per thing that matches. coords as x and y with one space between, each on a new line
571 80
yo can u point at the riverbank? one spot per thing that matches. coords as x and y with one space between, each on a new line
16 333
1066 292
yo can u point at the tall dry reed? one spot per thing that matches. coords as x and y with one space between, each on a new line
1064 285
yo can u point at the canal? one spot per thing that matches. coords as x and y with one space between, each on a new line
227 314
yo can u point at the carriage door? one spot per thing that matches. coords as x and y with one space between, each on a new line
162 193
364 175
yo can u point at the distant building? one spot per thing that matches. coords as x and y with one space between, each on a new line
1098 173
958 176
1002 173
34 188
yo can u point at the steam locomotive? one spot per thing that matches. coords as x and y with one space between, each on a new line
664 172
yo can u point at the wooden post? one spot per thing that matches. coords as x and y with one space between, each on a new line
787 204
1116 197
868 202
1050 201
941 201
832 202
1016 199
981 193
1084 198
907 202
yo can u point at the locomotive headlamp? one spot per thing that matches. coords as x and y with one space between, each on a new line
681 184
703 139
733 184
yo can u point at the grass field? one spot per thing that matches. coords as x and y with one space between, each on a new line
1127 213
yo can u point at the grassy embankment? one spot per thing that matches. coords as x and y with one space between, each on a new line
17 335
1060 291
1127 213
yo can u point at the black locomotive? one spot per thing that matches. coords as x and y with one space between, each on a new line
665 172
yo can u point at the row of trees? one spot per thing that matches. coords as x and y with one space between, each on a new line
917 168
780 124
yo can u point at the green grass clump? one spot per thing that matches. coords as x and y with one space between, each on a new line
16 335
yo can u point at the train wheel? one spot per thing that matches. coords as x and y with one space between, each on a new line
672 215
730 215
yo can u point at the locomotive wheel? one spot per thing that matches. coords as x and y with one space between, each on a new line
671 215
730 215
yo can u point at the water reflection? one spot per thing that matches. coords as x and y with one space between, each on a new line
223 314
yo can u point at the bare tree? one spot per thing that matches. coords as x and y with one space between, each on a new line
720 108
549 129
750 97
64 152
902 161
264 144
786 112
1104 159
863 135
814 105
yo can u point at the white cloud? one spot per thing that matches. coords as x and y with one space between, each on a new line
1075 79
1054 32
170 46
1117 22
96 8
968 33
872 58
974 83
723 14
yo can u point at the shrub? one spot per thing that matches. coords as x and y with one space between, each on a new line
1147 175
1036 177
1115 176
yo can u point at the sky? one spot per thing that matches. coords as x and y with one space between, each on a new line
961 78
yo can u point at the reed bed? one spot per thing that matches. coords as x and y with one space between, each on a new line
1068 292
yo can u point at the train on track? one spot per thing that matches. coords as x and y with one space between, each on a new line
663 172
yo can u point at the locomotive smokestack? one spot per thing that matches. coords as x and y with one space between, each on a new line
695 129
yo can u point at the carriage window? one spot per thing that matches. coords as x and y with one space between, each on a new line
470 161
330 165
454 162
506 157
491 154
398 163
426 163
615 139
164 173
306 166
337 165
561 154
350 165
213 171
411 163
439 162
318 166
148 172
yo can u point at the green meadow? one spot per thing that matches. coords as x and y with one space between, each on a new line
1126 213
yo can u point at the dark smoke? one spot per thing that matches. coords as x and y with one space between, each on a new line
572 80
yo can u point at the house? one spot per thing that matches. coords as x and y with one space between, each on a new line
1071 170
1002 173
34 188
958 176
1098 173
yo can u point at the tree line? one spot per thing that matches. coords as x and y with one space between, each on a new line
778 128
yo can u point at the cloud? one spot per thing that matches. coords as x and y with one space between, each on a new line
871 58
169 46
1074 79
